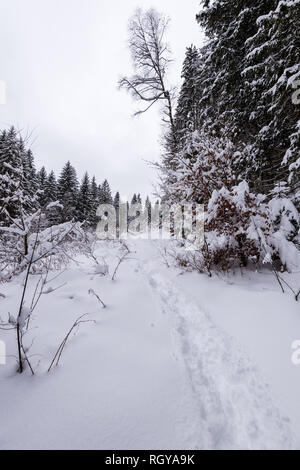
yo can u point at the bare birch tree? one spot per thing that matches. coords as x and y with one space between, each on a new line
151 57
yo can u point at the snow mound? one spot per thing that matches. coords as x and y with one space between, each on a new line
101 269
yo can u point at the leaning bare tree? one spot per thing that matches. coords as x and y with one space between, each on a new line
151 58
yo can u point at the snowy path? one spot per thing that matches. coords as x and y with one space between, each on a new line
120 384
154 372
234 408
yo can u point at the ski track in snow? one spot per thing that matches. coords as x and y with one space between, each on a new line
234 407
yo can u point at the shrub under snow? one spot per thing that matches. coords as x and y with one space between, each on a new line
242 228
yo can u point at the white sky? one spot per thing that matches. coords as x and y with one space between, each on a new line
61 61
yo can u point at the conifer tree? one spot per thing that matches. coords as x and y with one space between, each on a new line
117 207
12 195
186 117
148 209
94 192
84 203
117 200
42 180
17 202
31 184
134 199
51 194
240 86
271 69
68 192
53 211
105 196
246 75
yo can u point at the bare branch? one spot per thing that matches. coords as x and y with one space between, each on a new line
92 292
61 347
151 57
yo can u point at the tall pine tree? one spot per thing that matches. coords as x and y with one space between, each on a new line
105 196
271 68
42 180
187 111
68 192
93 220
84 203
12 184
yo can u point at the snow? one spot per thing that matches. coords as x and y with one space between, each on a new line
54 204
252 310
173 362
101 269
287 3
23 317
233 401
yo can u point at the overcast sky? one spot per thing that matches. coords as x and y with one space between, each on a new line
61 61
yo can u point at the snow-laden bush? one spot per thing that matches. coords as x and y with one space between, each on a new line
242 228
232 222
285 217
24 236
200 167
35 251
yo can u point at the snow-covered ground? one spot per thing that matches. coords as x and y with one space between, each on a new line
175 361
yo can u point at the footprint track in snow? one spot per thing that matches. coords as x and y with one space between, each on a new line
235 408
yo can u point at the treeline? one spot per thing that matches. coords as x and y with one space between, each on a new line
236 133
242 86
24 189
232 133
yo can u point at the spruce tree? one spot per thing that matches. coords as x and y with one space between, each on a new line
12 195
31 183
134 199
94 192
84 203
68 192
105 196
246 75
240 86
228 24
51 194
271 67
54 212
148 207
117 207
42 180
186 117
117 200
